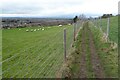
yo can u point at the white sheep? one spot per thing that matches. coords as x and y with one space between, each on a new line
27 30
43 29
34 29
60 25
69 24
8 28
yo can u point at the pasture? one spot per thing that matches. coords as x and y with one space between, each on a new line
34 54
38 52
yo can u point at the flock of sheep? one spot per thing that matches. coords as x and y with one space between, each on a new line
31 30
34 30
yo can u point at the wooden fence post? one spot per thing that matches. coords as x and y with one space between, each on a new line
74 30
65 51
100 23
108 27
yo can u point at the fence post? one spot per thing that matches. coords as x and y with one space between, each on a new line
74 30
64 36
95 23
76 27
100 23
108 26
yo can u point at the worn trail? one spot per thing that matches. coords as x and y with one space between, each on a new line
94 58
83 55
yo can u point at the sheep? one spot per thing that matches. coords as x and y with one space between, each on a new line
69 24
19 29
60 25
43 29
27 30
9 28
34 29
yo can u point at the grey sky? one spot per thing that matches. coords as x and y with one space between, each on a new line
58 7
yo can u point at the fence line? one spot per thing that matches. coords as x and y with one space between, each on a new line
106 32
108 26
64 37
47 59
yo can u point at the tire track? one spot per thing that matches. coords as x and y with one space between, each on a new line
95 61
83 71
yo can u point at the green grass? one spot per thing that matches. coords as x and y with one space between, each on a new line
75 65
33 54
109 59
40 54
113 34
88 59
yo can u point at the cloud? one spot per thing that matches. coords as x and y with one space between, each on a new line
59 7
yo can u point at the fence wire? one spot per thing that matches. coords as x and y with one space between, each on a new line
37 58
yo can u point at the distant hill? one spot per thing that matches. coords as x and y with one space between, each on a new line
31 22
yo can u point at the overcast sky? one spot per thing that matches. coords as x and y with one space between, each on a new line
51 8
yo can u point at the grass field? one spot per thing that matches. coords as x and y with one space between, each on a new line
39 54
33 54
113 34
108 56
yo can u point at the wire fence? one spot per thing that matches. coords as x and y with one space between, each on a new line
109 28
40 57
103 25
0 53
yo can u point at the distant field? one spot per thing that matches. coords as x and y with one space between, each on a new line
34 54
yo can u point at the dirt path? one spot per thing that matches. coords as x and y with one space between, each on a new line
94 59
86 62
97 68
83 55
